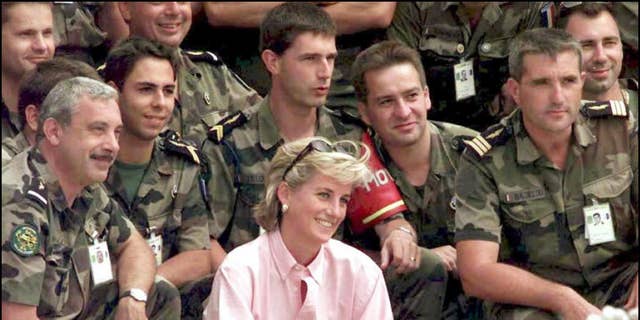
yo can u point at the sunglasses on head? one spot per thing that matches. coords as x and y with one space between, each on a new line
315 145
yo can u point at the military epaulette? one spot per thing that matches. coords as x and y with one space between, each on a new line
598 109
101 68
205 56
37 192
224 126
482 143
458 143
173 144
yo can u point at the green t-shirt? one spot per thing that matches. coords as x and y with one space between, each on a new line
131 175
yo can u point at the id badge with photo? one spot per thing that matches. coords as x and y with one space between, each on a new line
464 80
598 223
100 263
155 242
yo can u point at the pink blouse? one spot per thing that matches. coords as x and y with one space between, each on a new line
262 280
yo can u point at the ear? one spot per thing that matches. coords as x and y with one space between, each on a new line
270 60
427 99
52 131
113 85
124 11
513 88
31 114
283 192
362 109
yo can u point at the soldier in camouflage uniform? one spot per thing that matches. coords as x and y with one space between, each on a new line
391 87
594 26
60 230
27 39
449 35
34 87
205 84
156 177
528 187
241 145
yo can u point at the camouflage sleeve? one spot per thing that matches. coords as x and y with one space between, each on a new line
193 233
406 26
23 252
477 203
222 192
229 91
120 227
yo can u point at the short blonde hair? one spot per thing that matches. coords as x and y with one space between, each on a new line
348 165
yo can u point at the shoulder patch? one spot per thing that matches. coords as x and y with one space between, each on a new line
598 109
203 56
37 192
25 240
548 15
484 142
173 144
224 126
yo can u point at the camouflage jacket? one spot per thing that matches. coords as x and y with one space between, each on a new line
12 146
168 199
238 160
45 257
442 33
630 92
206 85
508 192
431 207
432 212
10 122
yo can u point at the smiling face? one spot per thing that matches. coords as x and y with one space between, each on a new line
549 92
165 22
303 71
601 50
147 98
397 104
89 144
27 38
316 209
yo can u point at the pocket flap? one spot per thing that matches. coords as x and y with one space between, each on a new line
610 186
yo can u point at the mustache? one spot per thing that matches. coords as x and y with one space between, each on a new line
109 156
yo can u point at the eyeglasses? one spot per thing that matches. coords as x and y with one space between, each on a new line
315 145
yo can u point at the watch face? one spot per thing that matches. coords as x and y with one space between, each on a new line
139 295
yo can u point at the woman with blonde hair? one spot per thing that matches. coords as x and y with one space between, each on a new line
295 270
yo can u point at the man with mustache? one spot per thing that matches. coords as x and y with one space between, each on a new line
594 26
205 83
528 187
34 87
27 39
156 178
57 219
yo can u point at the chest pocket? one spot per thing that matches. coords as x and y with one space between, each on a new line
616 190
531 231
55 289
495 48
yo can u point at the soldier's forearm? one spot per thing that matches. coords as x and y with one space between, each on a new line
185 267
136 265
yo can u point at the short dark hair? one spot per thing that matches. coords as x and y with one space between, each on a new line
546 41
589 9
379 56
123 58
36 83
284 23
